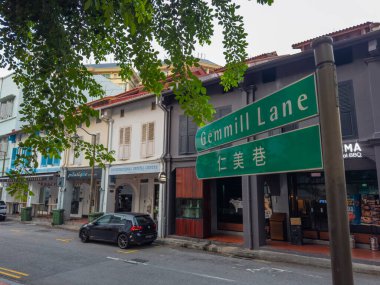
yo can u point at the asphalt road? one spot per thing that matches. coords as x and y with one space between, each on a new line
31 254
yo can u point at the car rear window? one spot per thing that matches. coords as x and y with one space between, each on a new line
144 220
2 203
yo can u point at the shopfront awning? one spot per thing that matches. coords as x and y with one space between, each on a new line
37 177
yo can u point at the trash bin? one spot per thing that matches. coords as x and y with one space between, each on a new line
26 214
277 224
296 236
94 216
374 243
58 217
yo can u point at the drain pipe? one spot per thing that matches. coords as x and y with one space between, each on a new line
163 218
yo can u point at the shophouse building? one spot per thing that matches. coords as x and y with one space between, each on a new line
45 180
136 135
243 206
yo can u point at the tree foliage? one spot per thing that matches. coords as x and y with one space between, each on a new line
46 42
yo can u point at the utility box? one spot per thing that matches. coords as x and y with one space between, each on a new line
277 224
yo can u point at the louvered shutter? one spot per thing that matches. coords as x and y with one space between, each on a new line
182 134
144 140
192 130
43 161
150 142
13 158
127 143
56 161
347 109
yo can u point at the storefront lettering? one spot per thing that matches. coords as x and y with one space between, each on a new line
352 150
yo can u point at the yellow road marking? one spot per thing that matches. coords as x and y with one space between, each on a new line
64 240
127 251
10 275
14 271
16 231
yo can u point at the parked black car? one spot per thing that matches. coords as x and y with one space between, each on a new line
123 228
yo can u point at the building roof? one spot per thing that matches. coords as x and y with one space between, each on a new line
343 34
103 65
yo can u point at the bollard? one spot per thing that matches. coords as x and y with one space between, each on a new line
374 243
352 241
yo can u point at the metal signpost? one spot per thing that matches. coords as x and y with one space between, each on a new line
281 153
335 181
293 103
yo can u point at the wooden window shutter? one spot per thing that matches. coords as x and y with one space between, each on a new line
121 136
125 143
150 142
192 130
144 140
182 134
347 109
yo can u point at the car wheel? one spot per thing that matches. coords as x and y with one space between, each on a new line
122 241
84 236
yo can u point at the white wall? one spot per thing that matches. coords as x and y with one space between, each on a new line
135 115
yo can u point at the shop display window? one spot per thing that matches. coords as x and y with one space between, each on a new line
363 203
229 201
189 208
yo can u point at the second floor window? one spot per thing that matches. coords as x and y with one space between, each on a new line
347 109
124 143
147 140
50 161
77 160
187 131
6 108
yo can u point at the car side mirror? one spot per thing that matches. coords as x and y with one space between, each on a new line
95 223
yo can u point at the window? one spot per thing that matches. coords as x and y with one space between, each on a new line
269 75
222 111
104 220
121 113
189 208
187 130
19 151
124 143
77 160
3 146
347 109
53 161
6 107
147 140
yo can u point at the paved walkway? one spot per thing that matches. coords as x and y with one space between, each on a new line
364 260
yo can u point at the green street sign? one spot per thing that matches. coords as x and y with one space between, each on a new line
292 151
293 103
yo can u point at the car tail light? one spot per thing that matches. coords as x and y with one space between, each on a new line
136 228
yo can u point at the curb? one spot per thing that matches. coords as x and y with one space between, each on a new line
266 255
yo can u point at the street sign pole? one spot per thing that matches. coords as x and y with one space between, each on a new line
335 181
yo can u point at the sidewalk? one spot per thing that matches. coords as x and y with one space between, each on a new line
364 260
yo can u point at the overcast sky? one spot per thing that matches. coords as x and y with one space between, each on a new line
286 22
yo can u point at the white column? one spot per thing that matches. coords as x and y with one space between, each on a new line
161 209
